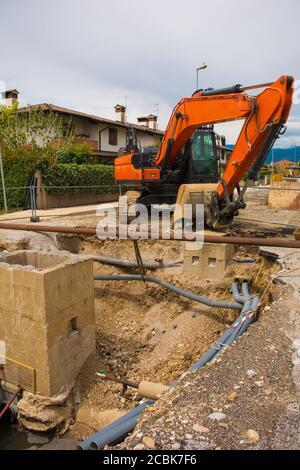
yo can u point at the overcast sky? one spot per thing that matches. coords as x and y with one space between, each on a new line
90 54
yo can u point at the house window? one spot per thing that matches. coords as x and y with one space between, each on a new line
113 136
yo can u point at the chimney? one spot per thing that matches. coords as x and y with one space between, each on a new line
143 121
152 122
10 97
120 113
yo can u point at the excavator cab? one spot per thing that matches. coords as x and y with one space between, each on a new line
203 158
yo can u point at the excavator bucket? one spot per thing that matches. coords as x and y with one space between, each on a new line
193 194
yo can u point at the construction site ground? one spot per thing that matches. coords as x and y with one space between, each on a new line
248 398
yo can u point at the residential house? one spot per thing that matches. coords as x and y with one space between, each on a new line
105 136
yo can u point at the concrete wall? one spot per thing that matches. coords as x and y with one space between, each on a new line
259 195
47 319
282 196
50 201
208 262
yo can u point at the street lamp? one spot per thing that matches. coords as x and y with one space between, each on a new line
201 67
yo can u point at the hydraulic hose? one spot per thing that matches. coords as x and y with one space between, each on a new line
124 425
187 294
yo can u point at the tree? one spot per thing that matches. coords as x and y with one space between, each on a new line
34 128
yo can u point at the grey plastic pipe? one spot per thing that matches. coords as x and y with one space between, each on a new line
124 263
187 294
240 298
115 434
231 335
235 290
111 432
245 289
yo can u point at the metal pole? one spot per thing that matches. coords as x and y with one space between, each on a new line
202 67
10 402
34 218
3 182
216 240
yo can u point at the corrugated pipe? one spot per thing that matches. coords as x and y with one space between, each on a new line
240 297
124 425
239 327
189 295
245 289
124 263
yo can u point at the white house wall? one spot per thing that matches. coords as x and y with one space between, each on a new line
84 127
148 139
106 147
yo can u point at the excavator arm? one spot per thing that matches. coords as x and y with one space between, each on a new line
264 116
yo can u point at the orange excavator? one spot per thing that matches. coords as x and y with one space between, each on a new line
185 167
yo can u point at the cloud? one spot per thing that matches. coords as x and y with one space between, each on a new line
90 55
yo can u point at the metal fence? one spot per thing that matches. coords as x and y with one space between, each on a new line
38 199
28 198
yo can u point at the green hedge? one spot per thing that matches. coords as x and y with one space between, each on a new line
62 168
19 167
76 153
60 178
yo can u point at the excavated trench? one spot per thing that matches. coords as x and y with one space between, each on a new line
144 332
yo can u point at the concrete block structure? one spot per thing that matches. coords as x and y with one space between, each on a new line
47 319
285 196
210 262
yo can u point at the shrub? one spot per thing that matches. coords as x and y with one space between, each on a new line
19 167
75 153
60 179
